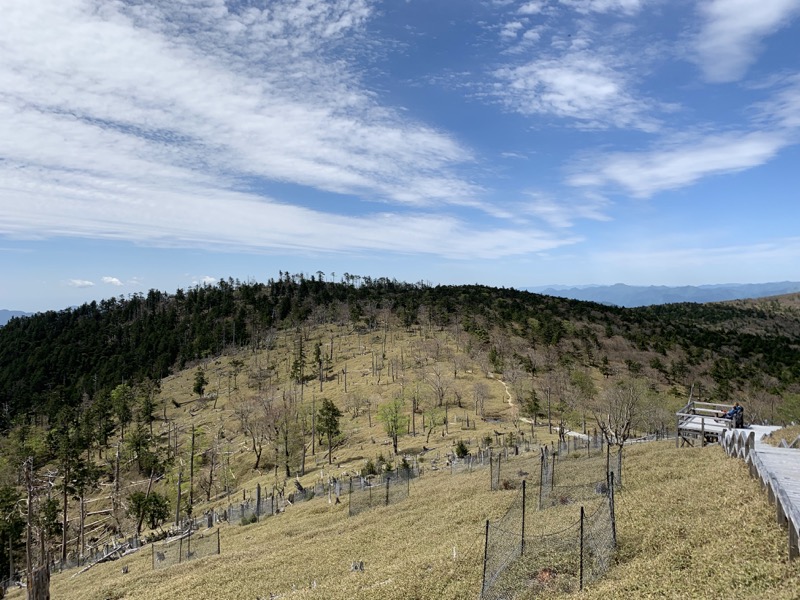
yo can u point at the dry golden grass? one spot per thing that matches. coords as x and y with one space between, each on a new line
789 434
691 524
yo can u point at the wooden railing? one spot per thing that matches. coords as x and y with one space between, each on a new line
740 443
706 413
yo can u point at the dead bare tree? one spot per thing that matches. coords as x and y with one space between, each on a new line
41 518
439 382
616 415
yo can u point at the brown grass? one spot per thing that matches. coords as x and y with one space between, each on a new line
790 434
691 524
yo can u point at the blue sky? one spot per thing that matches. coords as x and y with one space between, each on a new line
512 143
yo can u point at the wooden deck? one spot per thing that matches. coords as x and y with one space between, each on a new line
700 422
779 472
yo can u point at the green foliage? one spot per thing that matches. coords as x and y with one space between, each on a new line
393 419
461 449
200 382
141 446
152 509
248 519
369 468
12 523
496 360
328 417
789 410
404 465
48 520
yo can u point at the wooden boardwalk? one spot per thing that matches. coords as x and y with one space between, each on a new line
779 472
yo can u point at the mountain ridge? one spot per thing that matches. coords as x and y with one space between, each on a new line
630 296
6 315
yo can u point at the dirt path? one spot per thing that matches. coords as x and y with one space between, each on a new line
510 401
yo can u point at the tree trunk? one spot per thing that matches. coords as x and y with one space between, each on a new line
64 522
257 452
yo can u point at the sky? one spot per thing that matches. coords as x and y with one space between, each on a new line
512 143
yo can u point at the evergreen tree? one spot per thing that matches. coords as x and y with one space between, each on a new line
200 382
328 423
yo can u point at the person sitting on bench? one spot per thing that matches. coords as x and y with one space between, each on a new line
736 414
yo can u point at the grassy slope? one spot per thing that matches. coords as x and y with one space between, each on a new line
684 513
789 434
691 524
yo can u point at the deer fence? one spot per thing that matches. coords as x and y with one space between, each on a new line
364 493
96 555
530 549
188 546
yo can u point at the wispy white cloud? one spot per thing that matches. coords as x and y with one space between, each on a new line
112 281
782 110
80 283
512 29
562 214
534 7
579 85
204 280
140 113
605 6
193 216
730 37
679 163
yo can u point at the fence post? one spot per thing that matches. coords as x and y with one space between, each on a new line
581 567
522 547
218 540
611 506
491 473
153 554
180 550
258 501
485 557
541 475
387 491
498 471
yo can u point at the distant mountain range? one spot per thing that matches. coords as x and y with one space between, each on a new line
638 295
7 315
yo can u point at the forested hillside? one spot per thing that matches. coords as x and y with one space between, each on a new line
55 359
112 403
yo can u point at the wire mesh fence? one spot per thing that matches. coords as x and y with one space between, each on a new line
95 555
469 463
189 546
572 478
365 494
530 550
